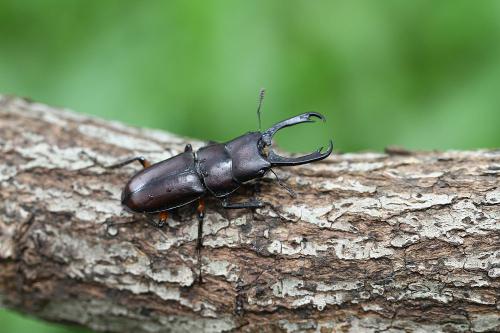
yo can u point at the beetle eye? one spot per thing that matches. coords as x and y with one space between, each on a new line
261 172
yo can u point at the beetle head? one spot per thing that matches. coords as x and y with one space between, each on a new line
252 155
247 159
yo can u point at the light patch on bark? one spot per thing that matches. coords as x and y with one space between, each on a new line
477 261
485 323
307 214
402 240
339 183
360 248
492 197
293 288
300 247
368 324
119 140
222 268
104 315
43 155
89 260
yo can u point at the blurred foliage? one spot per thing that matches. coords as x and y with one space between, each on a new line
11 322
420 74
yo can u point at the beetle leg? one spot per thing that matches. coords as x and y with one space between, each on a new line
199 244
252 203
163 216
145 163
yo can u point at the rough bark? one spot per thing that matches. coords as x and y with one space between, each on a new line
389 242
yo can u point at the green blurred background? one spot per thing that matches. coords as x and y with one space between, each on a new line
419 74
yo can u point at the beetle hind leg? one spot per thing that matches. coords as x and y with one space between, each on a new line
200 210
144 162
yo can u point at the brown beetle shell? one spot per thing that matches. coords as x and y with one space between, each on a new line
165 185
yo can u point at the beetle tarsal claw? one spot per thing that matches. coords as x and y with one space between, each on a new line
277 160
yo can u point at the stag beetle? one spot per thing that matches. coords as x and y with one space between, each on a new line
217 169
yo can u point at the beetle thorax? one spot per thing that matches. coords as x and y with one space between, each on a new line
225 166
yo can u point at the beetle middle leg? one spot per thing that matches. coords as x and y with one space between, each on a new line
162 219
200 209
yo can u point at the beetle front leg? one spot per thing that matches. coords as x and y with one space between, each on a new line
252 203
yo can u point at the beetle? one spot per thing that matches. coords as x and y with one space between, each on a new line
217 169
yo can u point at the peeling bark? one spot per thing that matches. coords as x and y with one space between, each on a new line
373 242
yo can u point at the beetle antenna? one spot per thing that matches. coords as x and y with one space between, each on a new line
262 92
285 186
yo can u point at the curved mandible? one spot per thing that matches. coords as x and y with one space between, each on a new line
277 160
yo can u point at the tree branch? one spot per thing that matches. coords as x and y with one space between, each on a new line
373 242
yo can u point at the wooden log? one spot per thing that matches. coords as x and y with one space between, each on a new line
397 241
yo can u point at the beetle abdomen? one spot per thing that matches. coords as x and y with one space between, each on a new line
165 185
